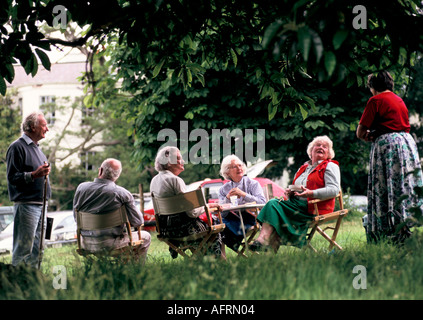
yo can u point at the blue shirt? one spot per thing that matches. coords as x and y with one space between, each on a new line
24 156
251 187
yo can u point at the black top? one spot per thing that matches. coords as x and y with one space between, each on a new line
23 157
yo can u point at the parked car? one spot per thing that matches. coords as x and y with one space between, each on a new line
64 228
357 202
63 231
148 213
6 216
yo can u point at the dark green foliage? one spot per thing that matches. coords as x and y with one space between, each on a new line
294 68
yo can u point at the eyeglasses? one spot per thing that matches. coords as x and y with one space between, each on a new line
236 166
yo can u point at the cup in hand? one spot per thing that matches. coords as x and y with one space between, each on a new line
293 187
234 200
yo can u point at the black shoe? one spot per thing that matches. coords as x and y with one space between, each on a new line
258 246
173 253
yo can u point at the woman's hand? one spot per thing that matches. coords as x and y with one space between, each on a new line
305 193
364 133
288 193
215 205
236 192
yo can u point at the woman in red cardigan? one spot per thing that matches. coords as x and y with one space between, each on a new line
395 168
286 222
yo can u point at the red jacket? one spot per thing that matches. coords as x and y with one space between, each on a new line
316 180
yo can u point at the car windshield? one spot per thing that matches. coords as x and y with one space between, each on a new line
69 221
148 204
214 189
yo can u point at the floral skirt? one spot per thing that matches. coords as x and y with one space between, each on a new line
395 170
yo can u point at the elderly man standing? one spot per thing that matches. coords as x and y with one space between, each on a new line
103 196
26 170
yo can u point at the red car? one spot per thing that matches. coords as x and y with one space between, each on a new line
149 218
211 191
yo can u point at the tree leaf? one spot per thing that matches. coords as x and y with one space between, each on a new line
157 68
330 62
189 76
314 124
339 38
270 32
30 64
200 77
88 100
234 57
318 45
304 112
304 41
10 75
45 61
272 109
3 86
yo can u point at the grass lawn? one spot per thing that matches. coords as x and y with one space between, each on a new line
360 271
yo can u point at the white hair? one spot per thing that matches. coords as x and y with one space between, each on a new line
226 163
165 156
109 170
31 120
324 139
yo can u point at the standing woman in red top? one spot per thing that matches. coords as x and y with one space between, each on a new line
393 159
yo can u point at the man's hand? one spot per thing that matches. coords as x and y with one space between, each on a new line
41 171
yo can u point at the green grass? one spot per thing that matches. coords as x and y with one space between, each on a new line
392 273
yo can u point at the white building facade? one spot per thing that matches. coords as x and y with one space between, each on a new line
54 92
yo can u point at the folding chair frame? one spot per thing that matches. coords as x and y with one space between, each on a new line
99 221
250 234
179 204
333 217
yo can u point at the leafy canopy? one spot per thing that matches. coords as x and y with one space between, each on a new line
294 68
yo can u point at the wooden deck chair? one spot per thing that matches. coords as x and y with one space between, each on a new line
333 217
197 243
91 222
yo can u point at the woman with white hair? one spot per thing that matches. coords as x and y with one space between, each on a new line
286 222
166 183
246 190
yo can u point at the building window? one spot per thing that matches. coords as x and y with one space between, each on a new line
87 114
20 106
87 160
48 107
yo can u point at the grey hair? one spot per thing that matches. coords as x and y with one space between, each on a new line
109 172
321 139
31 120
226 163
165 156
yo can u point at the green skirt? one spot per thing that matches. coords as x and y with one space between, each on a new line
289 218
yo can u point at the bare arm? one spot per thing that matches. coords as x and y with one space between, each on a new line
363 133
